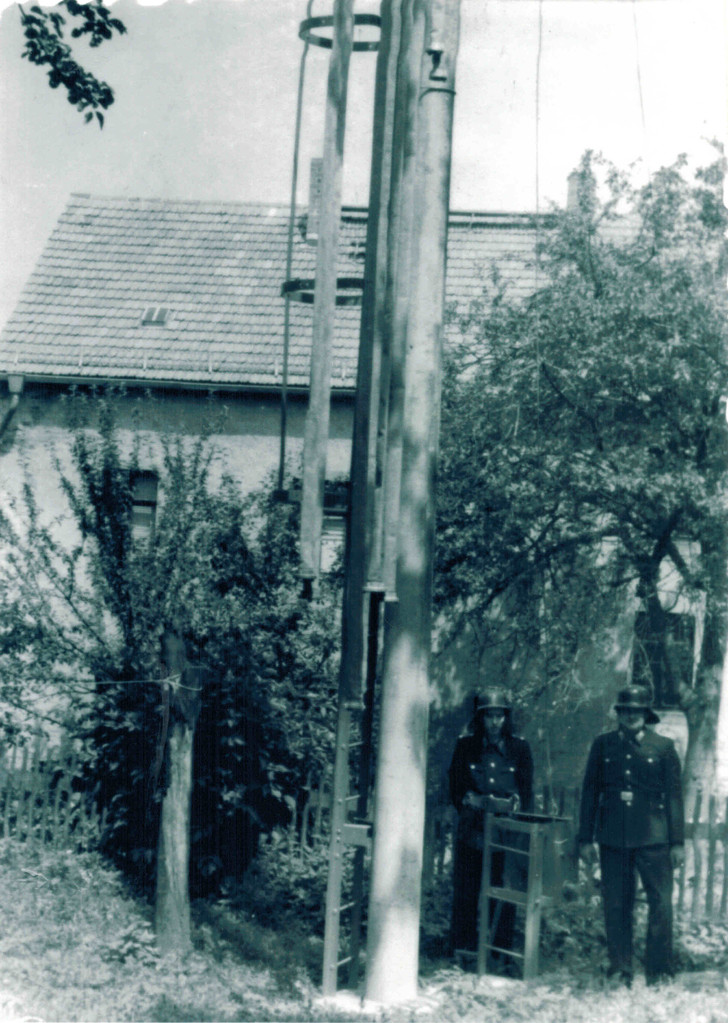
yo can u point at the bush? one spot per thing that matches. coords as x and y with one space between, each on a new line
286 883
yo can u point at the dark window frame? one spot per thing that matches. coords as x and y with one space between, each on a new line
144 485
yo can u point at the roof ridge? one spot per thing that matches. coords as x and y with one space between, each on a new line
454 214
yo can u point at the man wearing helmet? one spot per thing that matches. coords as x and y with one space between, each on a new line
491 769
631 805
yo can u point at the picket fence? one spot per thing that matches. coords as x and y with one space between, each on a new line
44 801
701 886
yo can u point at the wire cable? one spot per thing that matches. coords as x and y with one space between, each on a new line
536 268
639 82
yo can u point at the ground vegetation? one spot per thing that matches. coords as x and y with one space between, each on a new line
82 948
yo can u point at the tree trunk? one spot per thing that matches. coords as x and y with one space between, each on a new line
721 739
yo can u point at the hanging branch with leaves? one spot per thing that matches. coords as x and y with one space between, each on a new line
44 44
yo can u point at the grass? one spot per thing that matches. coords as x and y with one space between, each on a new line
76 946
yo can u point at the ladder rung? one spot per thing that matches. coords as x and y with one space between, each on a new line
359 834
506 951
343 962
507 895
347 905
510 848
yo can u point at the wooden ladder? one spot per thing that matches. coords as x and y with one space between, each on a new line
350 828
532 900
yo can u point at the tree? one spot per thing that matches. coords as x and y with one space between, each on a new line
44 45
204 685
582 440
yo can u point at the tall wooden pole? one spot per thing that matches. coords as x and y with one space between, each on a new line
316 432
394 905
363 555
360 615
400 254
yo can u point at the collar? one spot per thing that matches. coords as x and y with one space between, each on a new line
636 739
499 744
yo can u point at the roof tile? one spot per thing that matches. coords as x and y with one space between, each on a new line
218 267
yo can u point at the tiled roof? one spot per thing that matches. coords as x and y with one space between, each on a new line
218 268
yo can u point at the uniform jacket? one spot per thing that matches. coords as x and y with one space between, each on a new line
486 773
632 794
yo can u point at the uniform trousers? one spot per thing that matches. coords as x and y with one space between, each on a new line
619 868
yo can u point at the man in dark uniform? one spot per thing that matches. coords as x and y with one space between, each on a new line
632 806
491 769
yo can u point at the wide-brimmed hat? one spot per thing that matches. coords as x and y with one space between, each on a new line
637 698
492 699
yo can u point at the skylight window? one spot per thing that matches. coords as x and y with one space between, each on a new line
155 316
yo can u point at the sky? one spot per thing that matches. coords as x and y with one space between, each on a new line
206 93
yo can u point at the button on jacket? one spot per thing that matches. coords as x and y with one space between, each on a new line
503 770
632 795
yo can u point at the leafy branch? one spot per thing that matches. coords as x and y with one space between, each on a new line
44 45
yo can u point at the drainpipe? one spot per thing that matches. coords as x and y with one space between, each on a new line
15 386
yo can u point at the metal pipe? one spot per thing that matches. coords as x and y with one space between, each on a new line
289 263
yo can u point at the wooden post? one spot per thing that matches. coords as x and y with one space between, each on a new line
533 903
316 433
484 901
394 906
363 554
172 904
400 255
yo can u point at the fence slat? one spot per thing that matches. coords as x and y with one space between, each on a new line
33 790
710 877
9 787
21 791
681 885
3 785
697 859
69 775
724 836
44 809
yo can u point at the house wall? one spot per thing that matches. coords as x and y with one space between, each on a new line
244 427
247 439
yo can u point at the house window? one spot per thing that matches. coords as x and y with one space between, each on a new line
664 661
144 503
333 537
155 316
